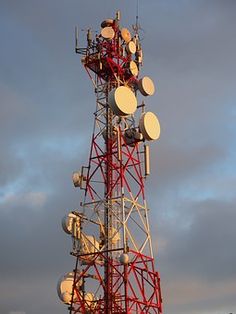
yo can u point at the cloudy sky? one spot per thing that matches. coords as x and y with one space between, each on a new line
190 52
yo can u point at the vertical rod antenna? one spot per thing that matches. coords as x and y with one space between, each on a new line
147 160
137 17
76 38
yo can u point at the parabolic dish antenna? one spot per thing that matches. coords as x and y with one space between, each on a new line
131 47
65 287
122 101
108 33
125 34
107 22
146 86
149 126
132 68
69 222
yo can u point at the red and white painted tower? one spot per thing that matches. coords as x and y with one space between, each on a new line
112 246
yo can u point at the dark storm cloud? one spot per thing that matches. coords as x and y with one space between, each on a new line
189 50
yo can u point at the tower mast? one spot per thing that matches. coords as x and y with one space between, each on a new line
114 269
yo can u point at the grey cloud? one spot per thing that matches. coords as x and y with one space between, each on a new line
10 167
203 248
214 227
197 259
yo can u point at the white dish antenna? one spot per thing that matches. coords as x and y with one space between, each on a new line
65 288
133 68
122 101
107 22
71 224
149 126
146 86
131 47
125 34
108 33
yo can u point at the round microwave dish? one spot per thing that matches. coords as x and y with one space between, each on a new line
149 126
125 34
108 33
146 86
107 22
131 47
122 101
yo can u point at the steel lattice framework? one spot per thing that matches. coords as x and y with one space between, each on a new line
114 270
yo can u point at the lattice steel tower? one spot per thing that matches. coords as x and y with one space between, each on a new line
114 265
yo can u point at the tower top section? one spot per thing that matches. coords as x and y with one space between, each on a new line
113 54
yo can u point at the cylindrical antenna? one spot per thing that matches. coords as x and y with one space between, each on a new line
76 38
147 160
89 37
118 144
118 15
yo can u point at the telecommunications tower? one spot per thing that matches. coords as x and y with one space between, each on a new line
114 268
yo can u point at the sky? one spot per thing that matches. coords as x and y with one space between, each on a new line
189 51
